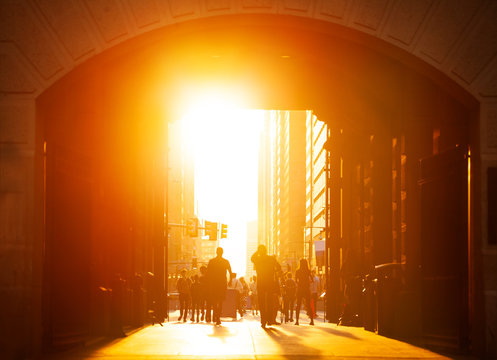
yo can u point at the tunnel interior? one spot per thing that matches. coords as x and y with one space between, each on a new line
399 142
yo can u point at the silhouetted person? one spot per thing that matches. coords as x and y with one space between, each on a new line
236 285
205 305
303 277
254 301
195 296
289 293
266 267
315 289
243 295
216 272
183 285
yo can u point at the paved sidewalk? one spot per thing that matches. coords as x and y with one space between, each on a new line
245 339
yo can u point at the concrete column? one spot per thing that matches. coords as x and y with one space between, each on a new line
333 236
485 250
21 229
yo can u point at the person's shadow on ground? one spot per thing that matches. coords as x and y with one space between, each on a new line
291 345
221 332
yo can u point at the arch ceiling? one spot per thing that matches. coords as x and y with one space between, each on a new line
41 40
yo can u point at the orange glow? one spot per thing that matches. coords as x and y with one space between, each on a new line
223 140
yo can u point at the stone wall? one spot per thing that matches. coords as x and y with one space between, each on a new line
41 41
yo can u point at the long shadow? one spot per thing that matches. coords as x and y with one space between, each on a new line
221 332
284 340
338 332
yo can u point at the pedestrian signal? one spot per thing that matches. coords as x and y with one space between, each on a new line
192 227
211 230
224 231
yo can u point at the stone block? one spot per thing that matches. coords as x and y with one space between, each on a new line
17 123
491 330
490 271
12 219
15 267
479 48
108 17
15 323
20 26
445 27
406 19
13 171
264 4
214 5
67 21
145 12
370 13
12 77
333 8
181 8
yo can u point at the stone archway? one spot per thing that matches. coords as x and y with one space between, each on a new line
40 48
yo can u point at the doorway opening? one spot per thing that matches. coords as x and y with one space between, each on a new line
374 124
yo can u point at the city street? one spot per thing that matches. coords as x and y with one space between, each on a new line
245 339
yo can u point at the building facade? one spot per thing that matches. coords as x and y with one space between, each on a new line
282 186
315 185
265 190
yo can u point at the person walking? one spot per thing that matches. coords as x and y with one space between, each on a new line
254 301
304 278
243 296
289 292
235 285
315 289
183 285
216 273
267 268
205 305
195 296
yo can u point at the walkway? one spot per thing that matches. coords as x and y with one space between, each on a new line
245 339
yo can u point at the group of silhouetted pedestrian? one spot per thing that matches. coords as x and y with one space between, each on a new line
204 294
271 283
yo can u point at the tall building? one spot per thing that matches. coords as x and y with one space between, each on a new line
282 186
252 243
315 188
265 182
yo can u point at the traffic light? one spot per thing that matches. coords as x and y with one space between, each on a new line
211 230
224 231
192 227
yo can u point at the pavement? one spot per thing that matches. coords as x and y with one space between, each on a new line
245 339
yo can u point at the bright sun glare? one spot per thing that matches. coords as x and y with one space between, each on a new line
224 141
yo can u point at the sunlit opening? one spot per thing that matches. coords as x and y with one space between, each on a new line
223 139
